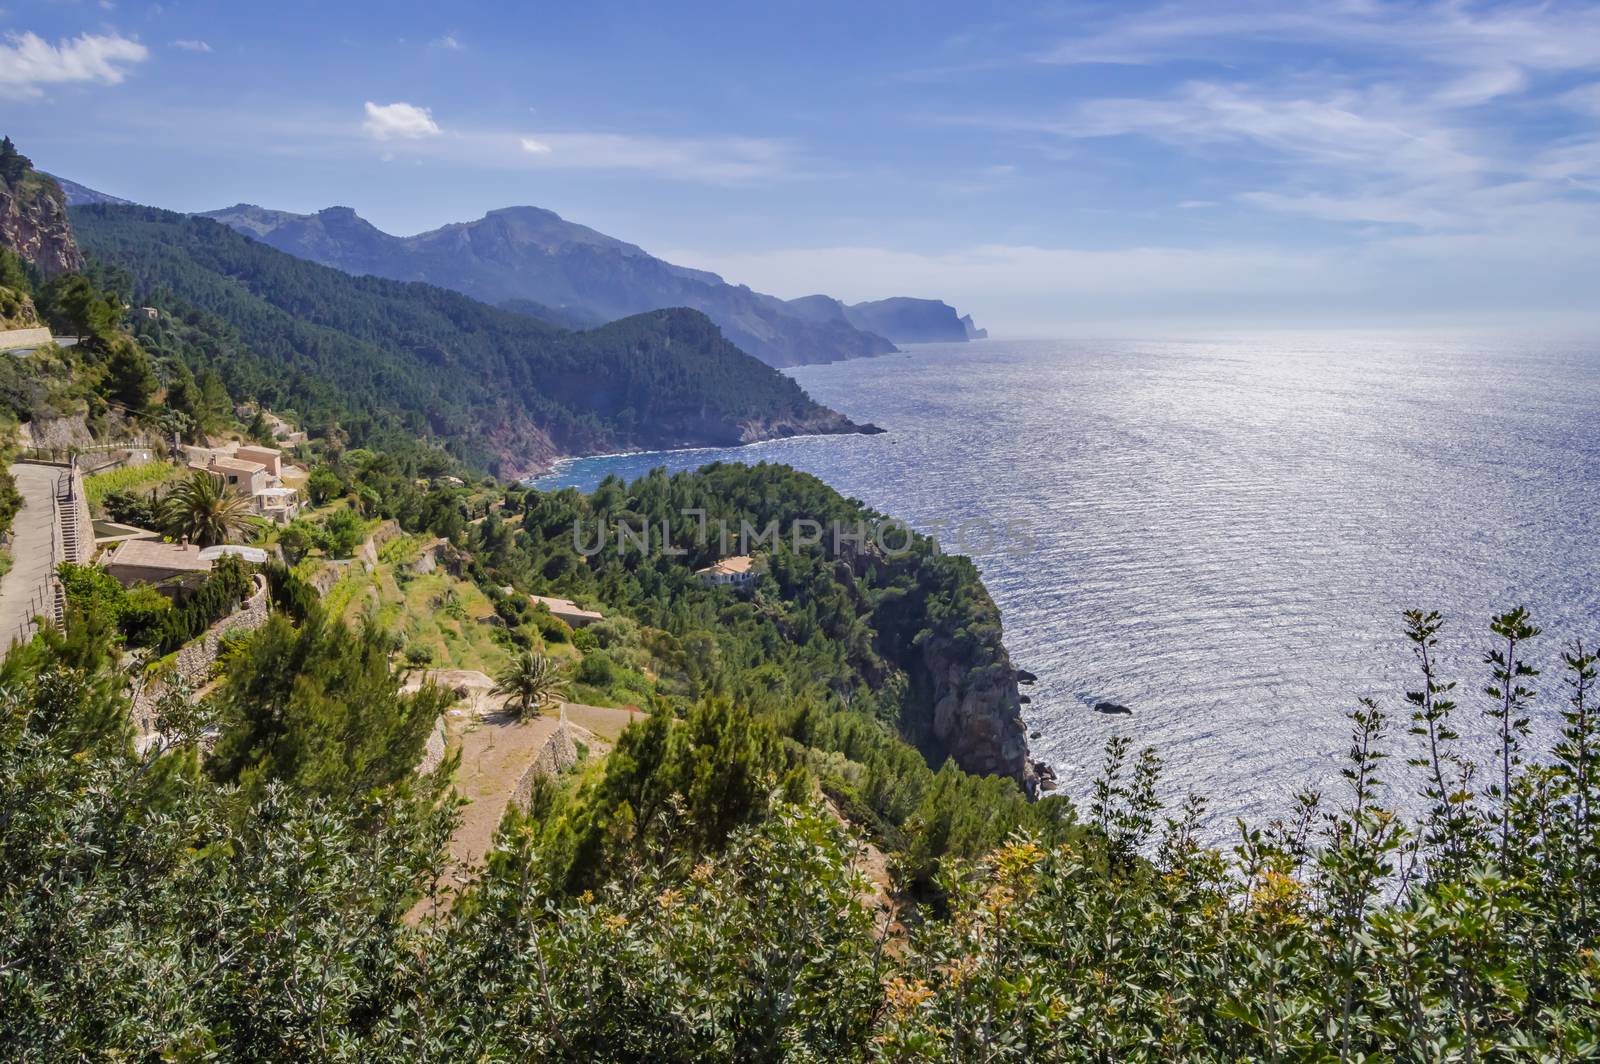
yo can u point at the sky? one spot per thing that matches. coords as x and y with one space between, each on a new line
1055 169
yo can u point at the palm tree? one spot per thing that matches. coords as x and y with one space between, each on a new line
529 683
205 511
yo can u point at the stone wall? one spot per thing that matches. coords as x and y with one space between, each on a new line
368 554
11 339
433 750
558 754
192 665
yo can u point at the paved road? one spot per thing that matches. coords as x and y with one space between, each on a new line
30 548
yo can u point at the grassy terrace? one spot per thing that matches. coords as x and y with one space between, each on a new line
128 478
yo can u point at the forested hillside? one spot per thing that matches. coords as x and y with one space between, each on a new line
497 388
562 271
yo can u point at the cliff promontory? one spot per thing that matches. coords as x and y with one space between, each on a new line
33 215
976 709
940 625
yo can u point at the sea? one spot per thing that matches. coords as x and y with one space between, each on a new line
1221 534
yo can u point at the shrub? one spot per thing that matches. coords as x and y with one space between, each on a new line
597 669
341 534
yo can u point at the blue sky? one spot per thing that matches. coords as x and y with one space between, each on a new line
1053 168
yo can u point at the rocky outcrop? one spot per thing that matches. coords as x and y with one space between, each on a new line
33 223
900 319
977 715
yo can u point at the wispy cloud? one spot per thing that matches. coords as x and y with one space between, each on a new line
191 45
399 121
712 159
1363 112
449 42
28 61
709 160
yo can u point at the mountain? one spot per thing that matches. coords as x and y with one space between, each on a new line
972 330
82 195
499 388
561 272
909 321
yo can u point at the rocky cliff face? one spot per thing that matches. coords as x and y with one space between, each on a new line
33 223
943 630
977 711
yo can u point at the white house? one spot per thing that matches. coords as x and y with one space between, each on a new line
738 571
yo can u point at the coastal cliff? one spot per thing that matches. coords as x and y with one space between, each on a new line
944 631
33 221
976 709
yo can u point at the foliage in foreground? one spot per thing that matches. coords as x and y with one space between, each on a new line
147 909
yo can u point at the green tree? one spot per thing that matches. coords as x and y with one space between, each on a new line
205 510
14 166
319 708
323 486
129 378
529 683
341 533
72 305
215 410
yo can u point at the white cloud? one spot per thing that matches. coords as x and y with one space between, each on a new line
399 121
713 159
449 42
189 45
28 61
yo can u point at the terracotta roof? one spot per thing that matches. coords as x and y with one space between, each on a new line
228 465
561 605
734 566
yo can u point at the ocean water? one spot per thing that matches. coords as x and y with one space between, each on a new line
1221 534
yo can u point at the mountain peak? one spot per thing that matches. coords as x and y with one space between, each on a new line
531 260
542 214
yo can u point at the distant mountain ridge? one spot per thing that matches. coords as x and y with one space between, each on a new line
82 195
534 262
903 319
503 391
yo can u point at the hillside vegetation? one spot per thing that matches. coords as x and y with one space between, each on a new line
498 389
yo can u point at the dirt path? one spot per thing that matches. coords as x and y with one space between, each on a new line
495 752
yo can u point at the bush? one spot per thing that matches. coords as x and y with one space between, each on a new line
290 594
296 540
139 509
597 670
143 611
227 586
